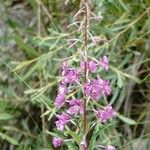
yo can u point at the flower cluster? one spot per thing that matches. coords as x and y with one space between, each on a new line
106 113
70 75
76 107
93 89
97 88
92 66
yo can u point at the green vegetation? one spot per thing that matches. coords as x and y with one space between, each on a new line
33 42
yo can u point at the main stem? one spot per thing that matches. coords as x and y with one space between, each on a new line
85 59
85 70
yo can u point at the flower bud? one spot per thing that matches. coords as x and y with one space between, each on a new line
109 147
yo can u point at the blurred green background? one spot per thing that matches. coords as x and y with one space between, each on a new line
33 41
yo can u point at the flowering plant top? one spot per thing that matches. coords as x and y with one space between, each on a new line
86 81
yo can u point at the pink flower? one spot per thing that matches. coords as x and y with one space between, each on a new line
106 113
87 89
63 119
92 89
57 142
75 107
110 148
59 101
96 88
90 65
71 75
62 89
106 88
60 125
104 62
64 67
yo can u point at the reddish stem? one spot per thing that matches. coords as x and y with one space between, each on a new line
85 70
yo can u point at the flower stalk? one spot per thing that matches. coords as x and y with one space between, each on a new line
86 23
93 89
85 70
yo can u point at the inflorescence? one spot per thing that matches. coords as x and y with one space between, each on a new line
79 79
94 89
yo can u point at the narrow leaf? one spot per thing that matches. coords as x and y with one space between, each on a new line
9 139
126 120
24 47
5 116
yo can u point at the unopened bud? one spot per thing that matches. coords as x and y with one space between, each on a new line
83 144
109 147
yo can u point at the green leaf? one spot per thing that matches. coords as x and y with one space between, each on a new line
134 78
23 64
126 120
30 52
30 71
94 136
125 60
5 116
9 139
53 111
115 95
110 1
119 80
74 135
71 145
123 5
56 134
